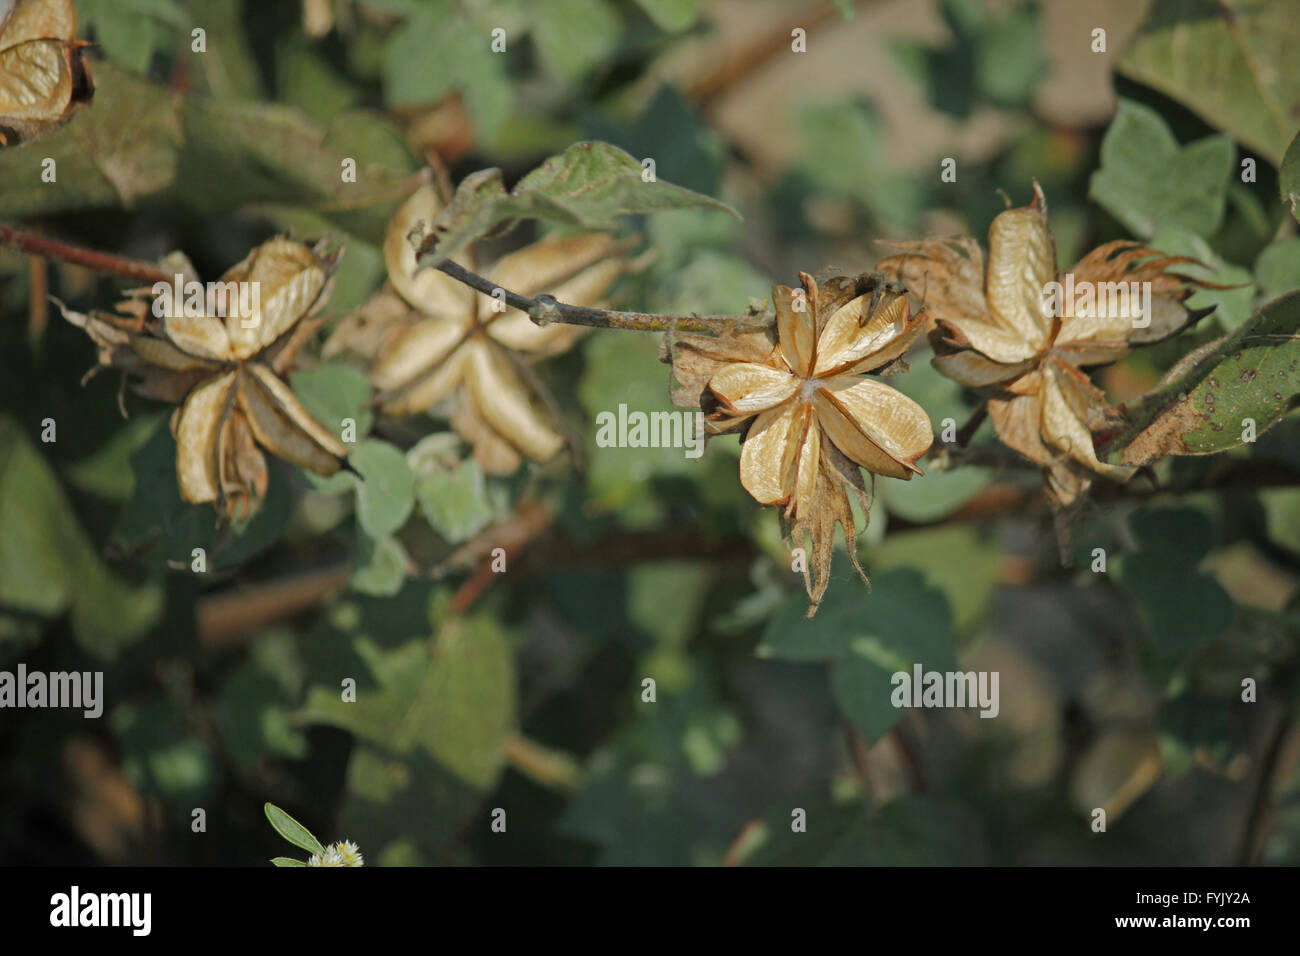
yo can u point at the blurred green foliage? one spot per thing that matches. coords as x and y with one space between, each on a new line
524 689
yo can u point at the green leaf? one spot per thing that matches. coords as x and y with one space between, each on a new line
1277 270
47 562
130 32
455 501
843 146
588 185
868 637
291 829
624 370
1181 606
1282 515
441 49
672 16
1251 375
921 830
386 492
1231 306
162 756
1148 181
287 861
333 394
380 566
1227 60
957 559
144 141
575 35
999 57
161 530
106 472
1289 177
455 702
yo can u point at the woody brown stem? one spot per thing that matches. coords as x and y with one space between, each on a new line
547 310
36 245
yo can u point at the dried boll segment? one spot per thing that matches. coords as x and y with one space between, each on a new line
434 340
43 78
1020 332
811 420
223 367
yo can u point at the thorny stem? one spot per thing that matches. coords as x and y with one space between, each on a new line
36 245
546 310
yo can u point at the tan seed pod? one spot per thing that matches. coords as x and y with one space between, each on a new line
992 330
811 419
43 78
435 340
224 372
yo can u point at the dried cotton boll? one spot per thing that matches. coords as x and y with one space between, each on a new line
811 418
43 79
223 368
435 340
1021 333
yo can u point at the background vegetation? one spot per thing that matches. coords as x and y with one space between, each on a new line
523 691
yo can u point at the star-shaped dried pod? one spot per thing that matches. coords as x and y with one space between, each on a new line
1021 333
810 416
43 78
434 339
220 353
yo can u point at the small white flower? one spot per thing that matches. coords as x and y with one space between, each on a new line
344 853
349 854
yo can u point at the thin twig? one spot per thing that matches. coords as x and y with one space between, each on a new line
967 431
546 310
33 244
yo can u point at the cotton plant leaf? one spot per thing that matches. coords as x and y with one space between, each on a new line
588 185
1227 61
1148 181
1220 396
144 141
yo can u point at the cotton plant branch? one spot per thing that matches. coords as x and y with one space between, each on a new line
547 310
34 244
